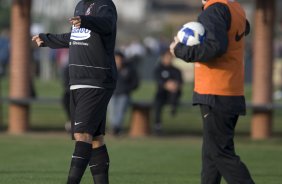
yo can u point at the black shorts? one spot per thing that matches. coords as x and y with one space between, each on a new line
88 108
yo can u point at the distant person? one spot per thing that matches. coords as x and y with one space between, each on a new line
127 82
62 58
169 85
219 87
92 72
4 51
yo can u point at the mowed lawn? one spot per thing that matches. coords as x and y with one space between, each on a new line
40 158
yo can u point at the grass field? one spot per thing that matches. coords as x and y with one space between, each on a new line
42 156
44 159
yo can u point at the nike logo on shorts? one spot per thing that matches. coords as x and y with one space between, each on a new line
77 123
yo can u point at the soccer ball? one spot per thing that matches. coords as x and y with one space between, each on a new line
192 33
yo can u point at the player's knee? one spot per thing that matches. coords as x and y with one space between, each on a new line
98 141
83 137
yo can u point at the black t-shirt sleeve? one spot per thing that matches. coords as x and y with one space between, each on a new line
55 41
216 20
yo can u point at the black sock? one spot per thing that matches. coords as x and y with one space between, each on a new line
79 162
99 165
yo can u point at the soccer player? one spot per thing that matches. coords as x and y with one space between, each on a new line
92 73
219 87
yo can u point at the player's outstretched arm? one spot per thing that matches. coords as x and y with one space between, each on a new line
54 41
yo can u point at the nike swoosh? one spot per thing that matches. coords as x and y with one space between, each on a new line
77 123
206 115
238 36
95 165
77 157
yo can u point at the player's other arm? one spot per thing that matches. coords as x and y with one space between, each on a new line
216 20
54 41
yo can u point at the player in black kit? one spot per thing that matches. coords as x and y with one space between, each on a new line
92 72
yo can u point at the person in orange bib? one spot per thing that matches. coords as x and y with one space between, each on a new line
219 87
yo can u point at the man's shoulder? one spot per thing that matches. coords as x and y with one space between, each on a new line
216 7
105 3
79 4
78 8
102 6
214 13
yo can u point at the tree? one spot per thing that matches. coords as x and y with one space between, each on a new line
19 65
263 66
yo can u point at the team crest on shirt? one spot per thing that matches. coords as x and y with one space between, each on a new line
88 11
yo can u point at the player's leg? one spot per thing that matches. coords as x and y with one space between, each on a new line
80 157
83 144
220 128
99 161
230 165
210 173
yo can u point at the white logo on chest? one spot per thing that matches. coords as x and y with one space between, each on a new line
80 33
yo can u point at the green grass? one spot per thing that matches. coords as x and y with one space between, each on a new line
44 159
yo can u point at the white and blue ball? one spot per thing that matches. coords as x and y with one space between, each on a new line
192 33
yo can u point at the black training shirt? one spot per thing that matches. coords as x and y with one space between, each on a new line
91 47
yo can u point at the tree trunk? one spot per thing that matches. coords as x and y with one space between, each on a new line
19 65
262 71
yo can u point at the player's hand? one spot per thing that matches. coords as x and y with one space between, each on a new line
75 21
173 45
37 40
